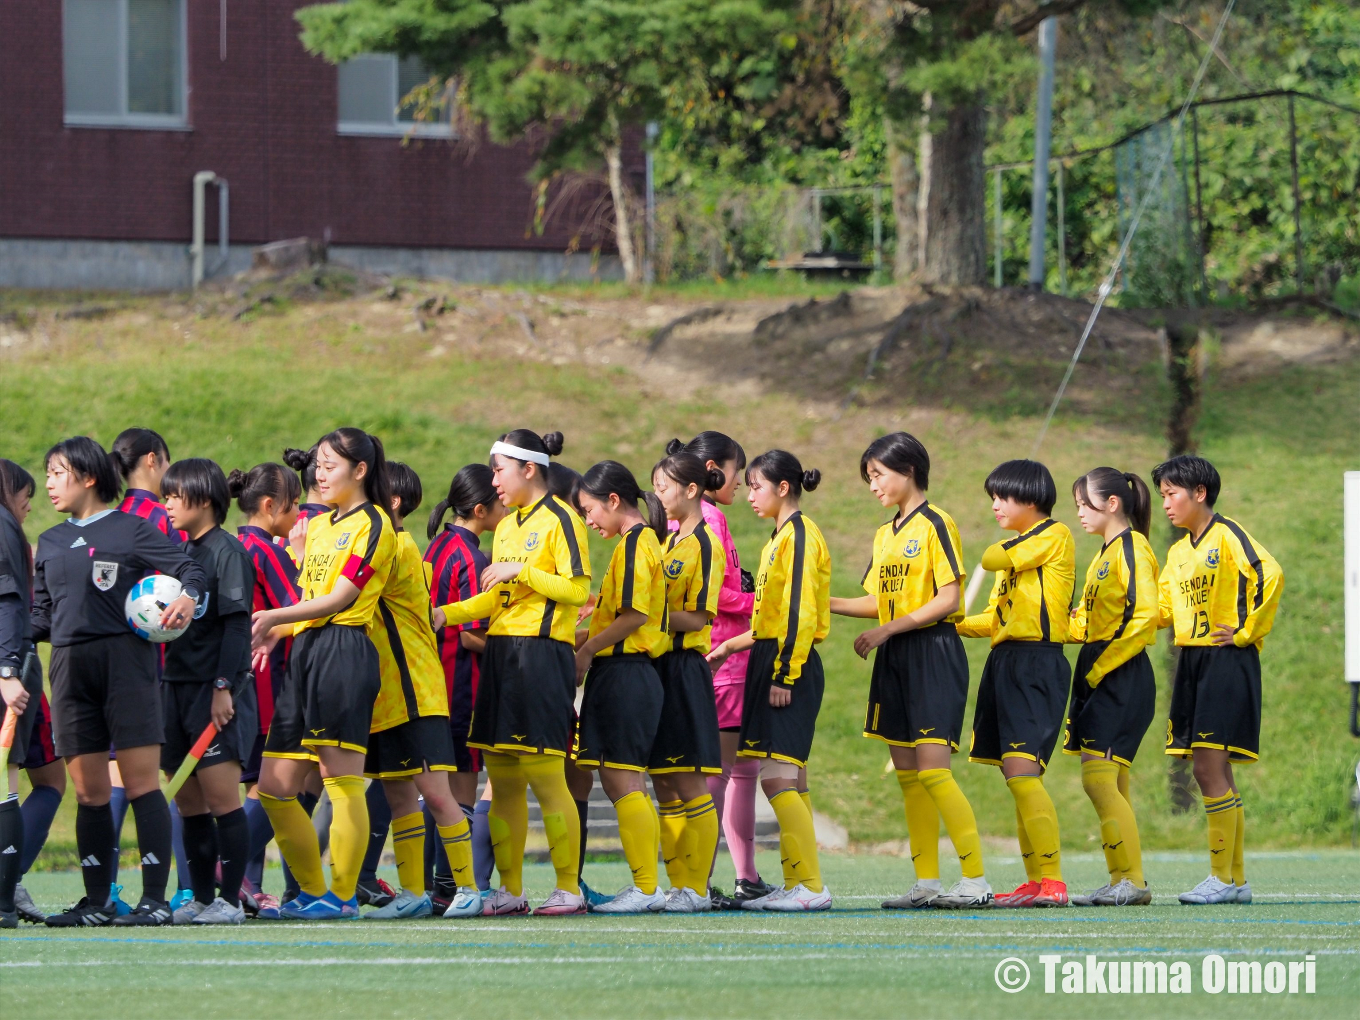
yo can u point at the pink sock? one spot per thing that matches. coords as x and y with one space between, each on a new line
739 819
717 789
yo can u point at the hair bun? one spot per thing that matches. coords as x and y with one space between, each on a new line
297 459
811 479
553 441
236 482
716 480
673 447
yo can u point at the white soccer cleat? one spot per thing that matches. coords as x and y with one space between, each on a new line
632 900
219 911
560 904
763 902
466 902
404 906
687 901
922 894
1211 890
965 893
188 913
800 897
1243 893
499 903
1125 894
1094 898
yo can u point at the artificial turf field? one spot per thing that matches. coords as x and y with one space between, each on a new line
857 961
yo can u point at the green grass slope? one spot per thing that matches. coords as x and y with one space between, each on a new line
240 391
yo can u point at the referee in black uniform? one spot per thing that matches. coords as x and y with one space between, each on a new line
104 685
20 673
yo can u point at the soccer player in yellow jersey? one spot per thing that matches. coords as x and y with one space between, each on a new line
1114 695
1023 691
326 705
538 578
410 747
615 658
1219 591
919 689
688 749
784 678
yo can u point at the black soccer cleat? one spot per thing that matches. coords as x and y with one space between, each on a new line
9 919
83 915
376 893
745 890
148 913
442 895
720 900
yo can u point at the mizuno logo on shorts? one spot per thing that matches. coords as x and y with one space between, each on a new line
1209 734
317 733
1021 744
675 759
931 730
519 736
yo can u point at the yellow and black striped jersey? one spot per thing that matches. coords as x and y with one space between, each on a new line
1032 599
634 581
408 656
549 538
793 594
913 560
1118 606
359 546
694 568
1226 578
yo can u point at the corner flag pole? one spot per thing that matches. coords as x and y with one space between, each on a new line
190 762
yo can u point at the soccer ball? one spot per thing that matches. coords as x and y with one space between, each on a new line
146 602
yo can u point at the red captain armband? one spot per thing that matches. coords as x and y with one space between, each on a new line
358 571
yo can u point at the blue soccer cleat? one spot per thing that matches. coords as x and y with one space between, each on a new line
325 908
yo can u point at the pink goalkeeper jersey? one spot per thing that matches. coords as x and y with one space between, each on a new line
734 605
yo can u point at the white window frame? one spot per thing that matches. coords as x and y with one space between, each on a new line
136 121
397 128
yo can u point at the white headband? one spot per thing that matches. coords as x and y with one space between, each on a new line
519 453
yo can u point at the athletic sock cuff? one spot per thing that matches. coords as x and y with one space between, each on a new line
344 786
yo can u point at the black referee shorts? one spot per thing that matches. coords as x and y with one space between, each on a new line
619 713
784 734
327 700
1021 701
410 748
31 677
919 689
188 711
1110 719
687 735
526 697
1216 702
106 693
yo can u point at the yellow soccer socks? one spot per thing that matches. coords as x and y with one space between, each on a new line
1222 815
1118 827
923 825
457 842
561 823
700 842
797 841
349 832
671 817
508 818
408 845
297 842
1239 865
1039 820
638 833
953 807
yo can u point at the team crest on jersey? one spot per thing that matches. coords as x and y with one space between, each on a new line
674 568
201 606
1211 558
343 541
912 549
531 543
1104 571
104 574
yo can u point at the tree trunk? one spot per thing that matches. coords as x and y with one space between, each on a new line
623 232
905 181
951 207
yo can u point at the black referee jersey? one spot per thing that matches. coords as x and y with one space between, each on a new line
83 572
16 632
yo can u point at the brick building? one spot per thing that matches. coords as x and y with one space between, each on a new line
112 106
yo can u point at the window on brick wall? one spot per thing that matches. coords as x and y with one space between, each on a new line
123 62
372 86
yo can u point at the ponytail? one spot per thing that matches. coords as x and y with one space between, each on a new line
777 466
304 463
685 469
609 477
715 446
358 447
250 488
1135 502
134 444
471 487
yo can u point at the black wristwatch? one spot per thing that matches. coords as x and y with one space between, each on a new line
8 673
221 684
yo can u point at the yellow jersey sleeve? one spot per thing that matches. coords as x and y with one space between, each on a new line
1260 582
1226 579
1032 600
793 605
634 581
361 547
1123 602
983 625
411 673
694 569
